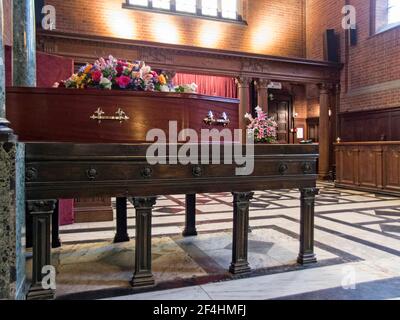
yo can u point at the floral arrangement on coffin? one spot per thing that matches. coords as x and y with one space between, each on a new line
264 128
187 88
111 73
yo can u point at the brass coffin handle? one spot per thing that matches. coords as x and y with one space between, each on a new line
222 121
99 116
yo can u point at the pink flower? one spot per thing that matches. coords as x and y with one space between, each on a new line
96 75
123 81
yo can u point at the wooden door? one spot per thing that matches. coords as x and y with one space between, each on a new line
280 110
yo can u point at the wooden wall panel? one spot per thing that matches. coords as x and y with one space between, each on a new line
370 166
374 125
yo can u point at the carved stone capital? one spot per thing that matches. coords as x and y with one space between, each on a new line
243 81
309 193
262 83
242 197
41 206
143 202
324 88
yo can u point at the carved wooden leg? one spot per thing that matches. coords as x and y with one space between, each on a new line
143 275
306 255
41 212
122 221
55 228
241 205
190 222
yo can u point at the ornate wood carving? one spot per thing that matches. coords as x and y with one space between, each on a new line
84 48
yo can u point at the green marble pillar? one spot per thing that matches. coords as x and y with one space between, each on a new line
12 154
24 43
12 224
24 75
4 124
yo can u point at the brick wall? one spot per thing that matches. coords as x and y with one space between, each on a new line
275 27
371 75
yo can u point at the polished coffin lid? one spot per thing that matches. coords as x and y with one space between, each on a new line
69 115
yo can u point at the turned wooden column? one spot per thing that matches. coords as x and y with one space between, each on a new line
41 212
121 234
190 221
243 84
241 204
324 132
306 255
262 94
143 276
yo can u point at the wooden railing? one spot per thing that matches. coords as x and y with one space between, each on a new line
369 166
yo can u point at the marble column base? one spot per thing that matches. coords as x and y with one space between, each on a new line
307 259
143 280
240 268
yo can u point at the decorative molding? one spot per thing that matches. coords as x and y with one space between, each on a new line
84 48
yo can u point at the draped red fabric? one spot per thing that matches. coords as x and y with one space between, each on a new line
209 85
50 68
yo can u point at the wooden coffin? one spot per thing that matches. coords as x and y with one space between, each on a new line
69 115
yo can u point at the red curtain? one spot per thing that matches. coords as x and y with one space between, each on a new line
209 85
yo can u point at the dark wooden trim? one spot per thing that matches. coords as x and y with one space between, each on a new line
382 124
118 93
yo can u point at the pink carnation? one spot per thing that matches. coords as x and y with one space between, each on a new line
123 81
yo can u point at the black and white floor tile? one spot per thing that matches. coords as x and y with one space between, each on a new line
357 238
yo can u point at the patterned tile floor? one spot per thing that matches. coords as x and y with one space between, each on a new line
357 244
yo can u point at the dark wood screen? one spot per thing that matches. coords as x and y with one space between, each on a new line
377 125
